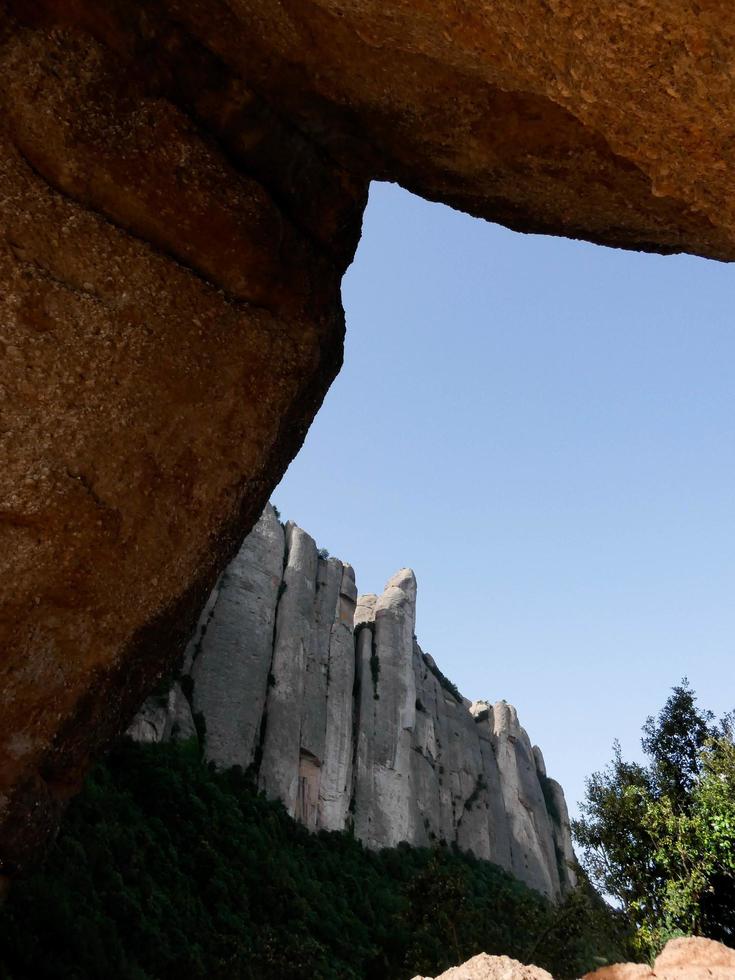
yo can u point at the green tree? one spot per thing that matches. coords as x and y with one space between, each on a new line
674 741
660 837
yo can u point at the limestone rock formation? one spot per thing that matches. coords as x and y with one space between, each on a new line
386 717
354 726
532 839
232 648
182 190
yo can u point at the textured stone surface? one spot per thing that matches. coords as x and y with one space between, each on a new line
484 967
690 958
533 855
387 713
561 831
231 656
499 837
182 185
694 950
164 718
168 333
285 707
335 787
359 729
604 121
622 971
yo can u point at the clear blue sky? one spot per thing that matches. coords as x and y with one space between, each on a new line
543 430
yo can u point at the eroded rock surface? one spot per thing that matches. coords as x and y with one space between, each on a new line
607 122
181 191
169 330
356 727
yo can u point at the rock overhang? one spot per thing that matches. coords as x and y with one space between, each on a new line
183 188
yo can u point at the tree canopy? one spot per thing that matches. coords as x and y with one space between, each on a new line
659 837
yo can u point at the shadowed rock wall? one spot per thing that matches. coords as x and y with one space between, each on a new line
357 728
181 189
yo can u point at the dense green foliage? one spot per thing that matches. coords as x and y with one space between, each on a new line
660 837
165 869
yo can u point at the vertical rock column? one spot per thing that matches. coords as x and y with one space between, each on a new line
383 790
456 788
279 769
561 826
433 816
232 649
366 692
316 682
533 855
336 774
498 826
307 748
449 786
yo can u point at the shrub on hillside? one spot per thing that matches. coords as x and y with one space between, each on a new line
167 869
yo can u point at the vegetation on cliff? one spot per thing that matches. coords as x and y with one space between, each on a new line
660 837
165 869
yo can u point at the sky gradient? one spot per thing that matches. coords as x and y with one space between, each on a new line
543 430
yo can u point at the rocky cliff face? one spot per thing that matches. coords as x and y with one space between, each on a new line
330 702
182 190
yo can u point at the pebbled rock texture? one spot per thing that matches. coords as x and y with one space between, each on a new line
181 190
355 727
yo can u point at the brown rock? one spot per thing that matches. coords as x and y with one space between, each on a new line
694 950
181 188
690 958
484 967
167 335
599 121
621 971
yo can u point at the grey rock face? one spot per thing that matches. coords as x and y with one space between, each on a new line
387 711
365 609
279 769
561 830
499 835
232 650
163 719
533 855
335 787
329 698
307 749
